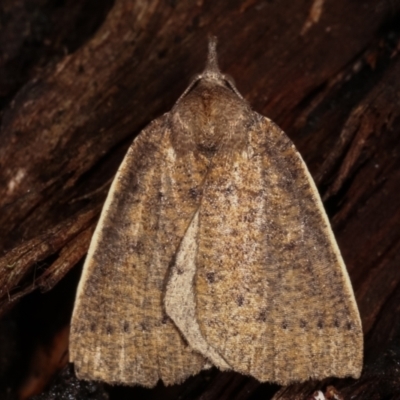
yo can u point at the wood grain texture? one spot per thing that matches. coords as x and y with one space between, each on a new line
78 82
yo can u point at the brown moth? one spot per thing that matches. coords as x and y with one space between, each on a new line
213 248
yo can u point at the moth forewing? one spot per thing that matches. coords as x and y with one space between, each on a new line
286 311
119 331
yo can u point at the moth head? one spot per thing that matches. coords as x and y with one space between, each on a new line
212 72
203 114
212 76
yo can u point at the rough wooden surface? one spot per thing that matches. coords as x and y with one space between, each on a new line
79 79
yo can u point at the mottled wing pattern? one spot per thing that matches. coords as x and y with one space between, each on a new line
120 332
273 294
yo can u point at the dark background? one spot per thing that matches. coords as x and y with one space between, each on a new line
79 79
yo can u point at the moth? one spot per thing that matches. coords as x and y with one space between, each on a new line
213 248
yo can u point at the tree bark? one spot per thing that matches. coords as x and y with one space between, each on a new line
80 79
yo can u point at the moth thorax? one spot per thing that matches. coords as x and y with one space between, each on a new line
207 111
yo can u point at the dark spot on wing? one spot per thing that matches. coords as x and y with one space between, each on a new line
349 326
143 326
207 150
109 330
262 316
249 218
229 190
290 246
194 193
137 247
210 277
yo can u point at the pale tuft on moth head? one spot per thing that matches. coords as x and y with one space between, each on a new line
212 71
